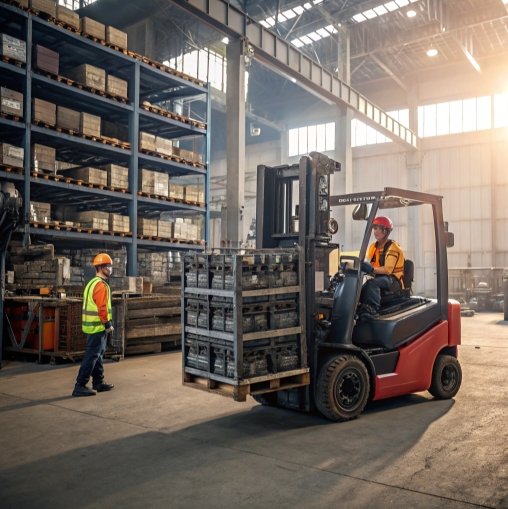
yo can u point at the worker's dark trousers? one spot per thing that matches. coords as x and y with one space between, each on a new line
92 364
371 290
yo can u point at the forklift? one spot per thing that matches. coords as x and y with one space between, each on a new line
409 346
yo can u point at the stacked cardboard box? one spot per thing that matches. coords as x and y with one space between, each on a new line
89 75
165 229
44 111
116 86
115 130
147 141
119 223
118 176
176 191
42 273
163 146
11 155
93 28
147 226
82 258
11 47
67 16
180 230
186 154
90 124
47 60
67 118
116 37
40 212
192 193
11 102
43 157
90 175
153 267
154 182
94 219
46 6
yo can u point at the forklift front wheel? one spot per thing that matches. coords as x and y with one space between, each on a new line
446 377
343 387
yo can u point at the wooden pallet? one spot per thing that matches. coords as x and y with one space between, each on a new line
12 169
239 390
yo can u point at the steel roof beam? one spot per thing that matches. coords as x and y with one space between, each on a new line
273 50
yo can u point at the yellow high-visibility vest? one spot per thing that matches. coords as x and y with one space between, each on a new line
91 323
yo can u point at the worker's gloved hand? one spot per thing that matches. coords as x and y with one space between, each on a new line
110 329
367 268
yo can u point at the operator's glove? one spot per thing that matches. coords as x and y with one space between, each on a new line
110 329
367 268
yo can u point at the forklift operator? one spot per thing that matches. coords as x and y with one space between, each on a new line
386 265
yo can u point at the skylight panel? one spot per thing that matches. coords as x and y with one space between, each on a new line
305 39
317 2
264 23
307 5
359 17
290 14
402 3
299 9
380 10
281 17
369 14
314 36
391 6
322 32
297 43
270 21
331 29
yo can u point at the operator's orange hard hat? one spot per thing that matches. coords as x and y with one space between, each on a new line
102 259
383 221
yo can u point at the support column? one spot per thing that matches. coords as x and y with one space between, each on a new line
235 130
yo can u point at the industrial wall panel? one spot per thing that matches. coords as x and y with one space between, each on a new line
294 59
254 34
282 49
316 71
236 20
218 10
305 66
268 42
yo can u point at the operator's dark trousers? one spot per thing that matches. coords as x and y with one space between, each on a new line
371 290
92 363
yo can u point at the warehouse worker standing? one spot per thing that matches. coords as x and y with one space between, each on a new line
97 324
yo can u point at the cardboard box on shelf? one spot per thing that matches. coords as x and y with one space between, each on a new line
147 141
176 191
116 37
40 212
163 146
46 59
43 157
94 219
90 124
94 28
14 48
117 86
147 227
67 118
118 176
90 175
115 130
68 16
89 75
46 6
119 223
11 155
11 102
165 229
43 111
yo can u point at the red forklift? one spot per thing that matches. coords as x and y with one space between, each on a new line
411 345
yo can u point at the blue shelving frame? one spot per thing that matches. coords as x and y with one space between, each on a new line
145 82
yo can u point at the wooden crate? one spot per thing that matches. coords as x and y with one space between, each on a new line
119 223
163 146
11 47
92 27
116 86
43 157
68 16
46 6
11 102
165 229
40 211
90 175
176 191
147 141
147 226
89 75
43 111
118 176
90 124
67 118
11 155
116 37
94 219
46 59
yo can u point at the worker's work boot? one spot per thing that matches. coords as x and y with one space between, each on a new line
102 387
82 390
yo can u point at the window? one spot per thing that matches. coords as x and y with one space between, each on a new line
363 134
501 110
320 137
74 4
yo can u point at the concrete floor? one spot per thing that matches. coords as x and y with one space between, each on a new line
153 443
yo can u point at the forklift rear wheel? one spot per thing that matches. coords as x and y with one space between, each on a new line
343 387
446 377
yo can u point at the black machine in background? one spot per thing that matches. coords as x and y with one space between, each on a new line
10 217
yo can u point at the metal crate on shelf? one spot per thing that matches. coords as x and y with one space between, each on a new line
242 321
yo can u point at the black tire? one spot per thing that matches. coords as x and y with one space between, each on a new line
266 399
446 377
343 387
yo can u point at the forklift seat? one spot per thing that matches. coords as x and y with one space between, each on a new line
390 298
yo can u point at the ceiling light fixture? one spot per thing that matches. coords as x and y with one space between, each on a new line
432 52
411 13
472 60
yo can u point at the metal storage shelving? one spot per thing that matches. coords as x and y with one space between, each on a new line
145 83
